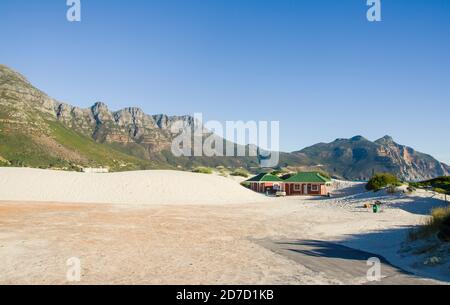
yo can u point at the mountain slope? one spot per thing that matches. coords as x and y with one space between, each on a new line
31 135
359 158
38 131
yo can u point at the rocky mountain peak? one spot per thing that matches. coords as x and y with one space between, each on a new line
101 112
7 74
385 140
358 138
99 107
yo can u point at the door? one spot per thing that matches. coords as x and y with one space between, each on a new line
305 189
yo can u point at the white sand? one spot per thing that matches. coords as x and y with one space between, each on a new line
140 187
203 236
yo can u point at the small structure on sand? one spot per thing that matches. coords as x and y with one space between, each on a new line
307 183
303 183
266 183
90 170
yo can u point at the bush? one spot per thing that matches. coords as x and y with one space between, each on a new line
440 185
280 172
324 174
380 181
439 190
202 170
392 189
240 172
411 189
444 230
439 223
246 184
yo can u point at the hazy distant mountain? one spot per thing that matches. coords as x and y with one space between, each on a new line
359 158
38 131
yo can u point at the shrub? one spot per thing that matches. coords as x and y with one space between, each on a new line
411 189
246 184
380 181
414 185
324 174
240 172
202 170
441 184
279 172
439 190
439 223
444 230
392 189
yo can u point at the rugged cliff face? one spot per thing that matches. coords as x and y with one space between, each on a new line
126 126
359 158
39 131
56 134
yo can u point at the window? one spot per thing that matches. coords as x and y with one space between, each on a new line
314 188
297 187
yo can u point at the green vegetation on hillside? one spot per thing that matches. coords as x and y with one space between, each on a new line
20 151
382 180
60 148
97 154
440 185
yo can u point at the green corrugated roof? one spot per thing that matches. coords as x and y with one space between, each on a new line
265 178
308 177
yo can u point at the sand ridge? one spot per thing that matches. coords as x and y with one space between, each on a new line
138 187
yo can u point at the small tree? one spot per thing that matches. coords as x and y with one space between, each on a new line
382 180
240 172
202 170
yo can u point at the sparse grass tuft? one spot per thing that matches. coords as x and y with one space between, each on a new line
245 184
439 223
203 170
240 172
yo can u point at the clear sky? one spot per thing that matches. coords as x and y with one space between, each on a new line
317 66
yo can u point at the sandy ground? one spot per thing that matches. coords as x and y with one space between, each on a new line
186 243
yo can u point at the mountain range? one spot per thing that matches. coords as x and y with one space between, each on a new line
39 131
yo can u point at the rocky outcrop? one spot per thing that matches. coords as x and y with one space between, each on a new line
359 158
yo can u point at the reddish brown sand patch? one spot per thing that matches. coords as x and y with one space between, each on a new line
164 245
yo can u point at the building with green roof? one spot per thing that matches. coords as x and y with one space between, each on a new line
307 183
265 182
302 183
307 177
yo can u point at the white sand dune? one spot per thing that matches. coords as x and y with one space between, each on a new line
185 228
140 187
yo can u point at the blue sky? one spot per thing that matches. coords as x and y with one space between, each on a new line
317 66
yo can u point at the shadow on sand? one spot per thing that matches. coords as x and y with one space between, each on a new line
343 261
